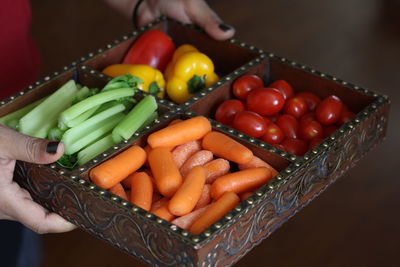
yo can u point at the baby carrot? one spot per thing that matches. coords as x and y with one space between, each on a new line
182 152
240 181
197 159
147 148
180 133
205 197
127 181
166 174
142 190
187 196
156 197
215 169
187 220
256 162
159 203
163 212
214 212
119 191
224 146
175 121
245 195
114 170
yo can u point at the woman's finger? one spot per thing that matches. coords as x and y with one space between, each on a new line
201 14
186 11
18 146
36 218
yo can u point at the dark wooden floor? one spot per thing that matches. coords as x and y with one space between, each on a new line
356 221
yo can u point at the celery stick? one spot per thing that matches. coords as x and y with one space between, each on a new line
127 80
81 94
55 134
85 92
99 130
83 129
13 124
39 120
81 118
74 111
106 106
95 149
149 120
134 119
44 130
16 115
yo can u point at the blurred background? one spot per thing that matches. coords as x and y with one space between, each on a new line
355 222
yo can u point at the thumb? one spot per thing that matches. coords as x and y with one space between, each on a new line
17 146
202 15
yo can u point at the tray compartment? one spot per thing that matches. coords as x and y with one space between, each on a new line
84 76
294 188
219 52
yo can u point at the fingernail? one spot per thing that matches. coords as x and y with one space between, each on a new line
224 27
51 147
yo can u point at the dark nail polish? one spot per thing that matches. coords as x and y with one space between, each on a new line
224 27
51 147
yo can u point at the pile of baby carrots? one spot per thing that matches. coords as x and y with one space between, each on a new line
183 174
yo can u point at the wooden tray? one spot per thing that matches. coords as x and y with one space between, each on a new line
157 242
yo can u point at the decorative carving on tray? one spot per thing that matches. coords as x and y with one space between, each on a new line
102 217
255 226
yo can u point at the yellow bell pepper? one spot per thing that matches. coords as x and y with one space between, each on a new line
178 52
153 79
189 71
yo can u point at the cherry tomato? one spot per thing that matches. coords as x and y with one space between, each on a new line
284 87
244 84
345 116
329 110
273 134
153 48
227 110
274 117
314 142
296 106
250 123
289 125
265 101
267 120
312 99
280 146
328 130
310 116
310 130
297 147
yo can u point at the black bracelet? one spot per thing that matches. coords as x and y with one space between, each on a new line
134 14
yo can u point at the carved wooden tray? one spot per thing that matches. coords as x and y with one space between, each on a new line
159 243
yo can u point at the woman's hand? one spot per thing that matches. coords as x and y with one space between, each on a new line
16 203
187 11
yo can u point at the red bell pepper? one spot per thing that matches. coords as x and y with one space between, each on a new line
153 48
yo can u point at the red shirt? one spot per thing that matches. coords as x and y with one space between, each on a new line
19 57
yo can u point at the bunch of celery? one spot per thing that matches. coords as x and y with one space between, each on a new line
88 122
